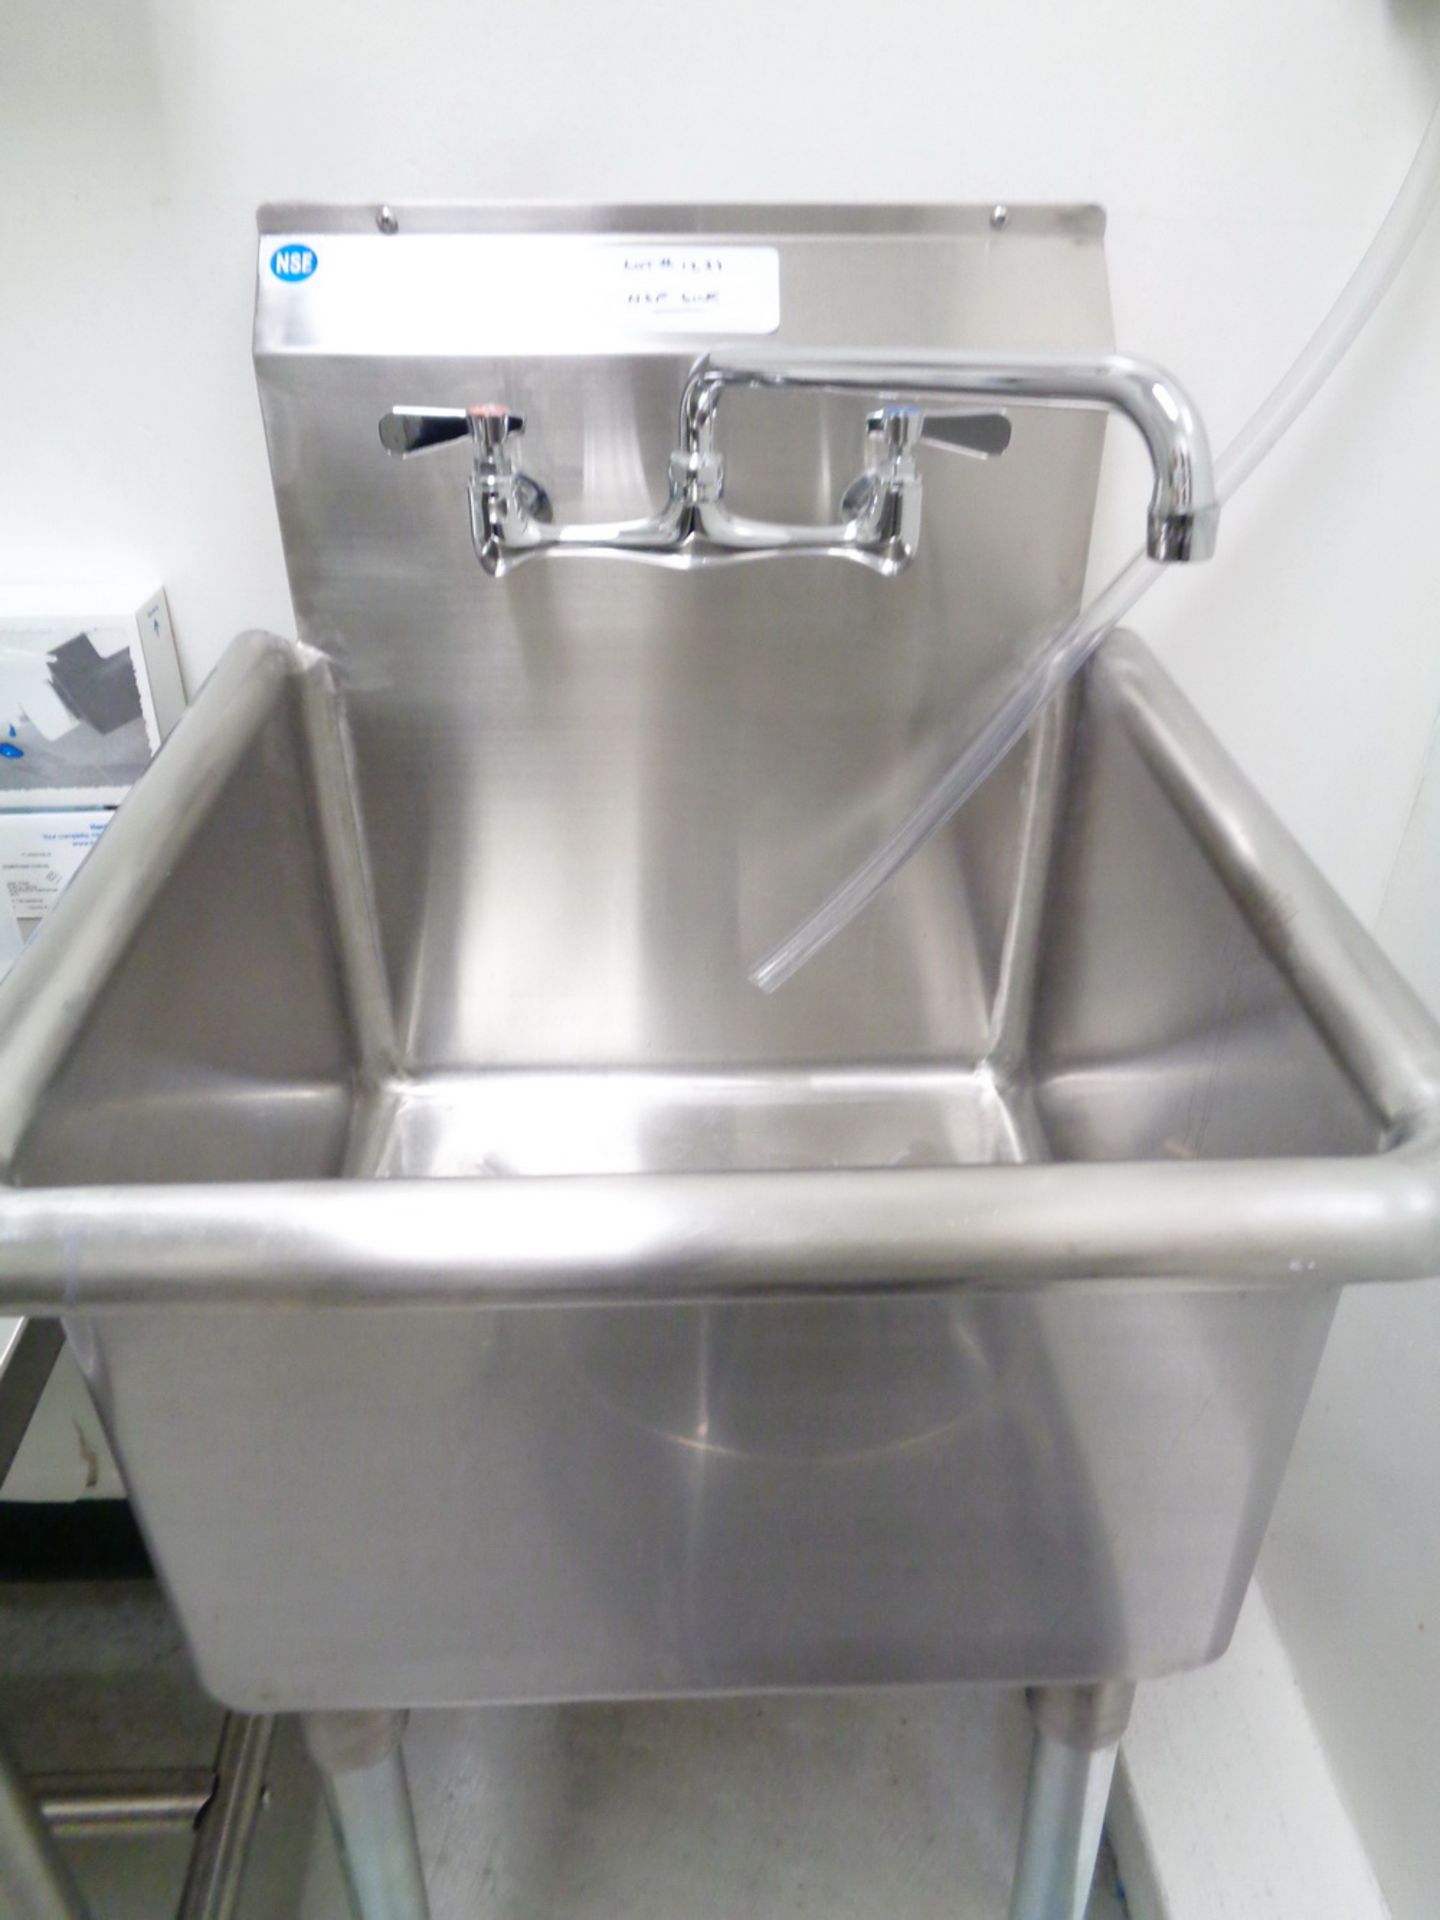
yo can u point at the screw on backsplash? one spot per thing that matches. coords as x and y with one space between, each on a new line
999 216
385 220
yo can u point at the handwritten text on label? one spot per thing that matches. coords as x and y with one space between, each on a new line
707 289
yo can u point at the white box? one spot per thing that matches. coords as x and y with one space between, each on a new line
89 687
40 851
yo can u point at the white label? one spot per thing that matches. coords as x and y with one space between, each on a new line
697 289
40 851
488 295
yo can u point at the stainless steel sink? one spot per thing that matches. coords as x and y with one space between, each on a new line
490 1295
681 1377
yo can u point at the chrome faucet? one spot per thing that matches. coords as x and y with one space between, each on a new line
511 518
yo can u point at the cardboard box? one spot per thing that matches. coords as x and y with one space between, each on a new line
89 687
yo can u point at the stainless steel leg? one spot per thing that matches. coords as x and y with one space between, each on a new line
1077 1736
35 1883
360 1759
222 1839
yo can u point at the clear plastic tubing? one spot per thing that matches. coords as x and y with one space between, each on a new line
1073 644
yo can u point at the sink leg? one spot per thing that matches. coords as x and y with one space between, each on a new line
35 1883
1077 1736
361 1763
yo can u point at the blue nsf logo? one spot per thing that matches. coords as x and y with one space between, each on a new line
293 263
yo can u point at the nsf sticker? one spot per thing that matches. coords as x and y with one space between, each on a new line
293 262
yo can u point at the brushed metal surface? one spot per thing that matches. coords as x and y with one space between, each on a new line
594 1324
849 1383
619 784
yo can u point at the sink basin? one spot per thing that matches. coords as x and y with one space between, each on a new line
636 1376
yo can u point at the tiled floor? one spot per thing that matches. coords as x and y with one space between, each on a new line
889 1806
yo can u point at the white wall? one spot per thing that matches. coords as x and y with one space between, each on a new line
1244 152
1352 1566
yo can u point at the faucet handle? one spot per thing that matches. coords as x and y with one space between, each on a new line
899 427
407 430
890 482
984 436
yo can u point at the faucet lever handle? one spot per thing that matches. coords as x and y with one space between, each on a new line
407 430
984 436
899 426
